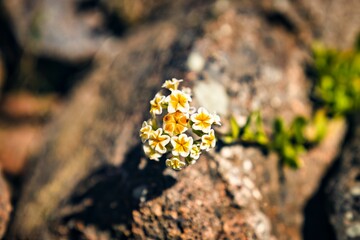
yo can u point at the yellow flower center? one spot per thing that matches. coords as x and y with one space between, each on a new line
175 123
182 145
158 141
203 120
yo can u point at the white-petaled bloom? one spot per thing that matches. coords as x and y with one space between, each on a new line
195 152
217 119
208 141
172 84
192 110
175 123
158 141
202 120
181 145
155 104
145 131
151 153
187 91
178 101
175 163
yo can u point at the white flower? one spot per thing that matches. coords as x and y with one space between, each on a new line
145 131
182 145
175 163
186 91
175 123
217 119
151 153
172 84
158 141
178 101
202 120
195 152
156 107
208 141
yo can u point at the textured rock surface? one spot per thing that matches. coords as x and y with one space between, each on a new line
91 181
2 72
345 189
5 206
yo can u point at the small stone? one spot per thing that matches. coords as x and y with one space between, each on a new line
355 191
261 224
195 62
354 230
256 194
157 210
349 215
242 197
225 30
226 152
140 193
248 183
212 95
247 165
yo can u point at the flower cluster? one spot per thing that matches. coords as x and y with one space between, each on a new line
177 128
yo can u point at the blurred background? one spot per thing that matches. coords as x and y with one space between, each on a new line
76 77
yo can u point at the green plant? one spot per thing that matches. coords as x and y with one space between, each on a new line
337 93
338 84
176 129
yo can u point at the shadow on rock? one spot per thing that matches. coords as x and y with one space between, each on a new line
107 197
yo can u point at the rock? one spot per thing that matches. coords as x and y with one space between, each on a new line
25 105
39 31
18 143
93 152
5 205
212 96
344 189
2 73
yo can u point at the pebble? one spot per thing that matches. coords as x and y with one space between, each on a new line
140 193
256 194
355 191
247 165
195 62
349 215
212 95
248 183
354 230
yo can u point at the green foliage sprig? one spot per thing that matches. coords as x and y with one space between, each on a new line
338 83
337 93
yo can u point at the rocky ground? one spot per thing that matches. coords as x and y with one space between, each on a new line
76 78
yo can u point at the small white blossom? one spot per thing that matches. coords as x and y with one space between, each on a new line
217 119
145 131
186 91
175 163
151 153
202 120
181 145
156 103
158 141
172 84
208 141
195 152
178 101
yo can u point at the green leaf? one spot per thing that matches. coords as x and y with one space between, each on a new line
235 128
297 129
261 137
246 132
319 126
228 139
